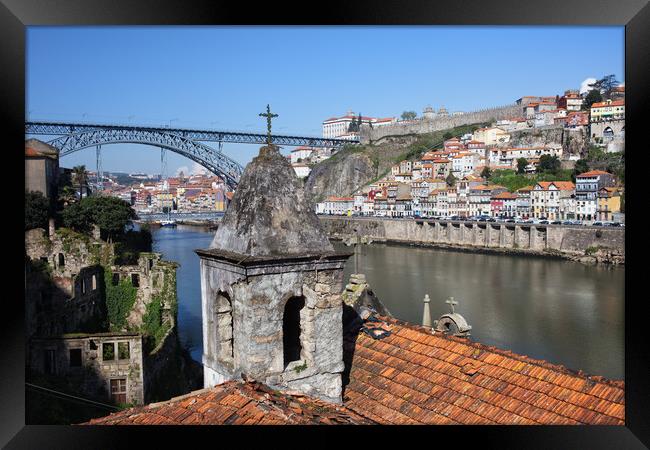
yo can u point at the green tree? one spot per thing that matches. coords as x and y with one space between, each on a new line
451 180
605 85
581 166
80 178
521 165
109 213
37 208
486 173
447 135
409 115
592 97
549 164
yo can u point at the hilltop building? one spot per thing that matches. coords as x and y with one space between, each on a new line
339 127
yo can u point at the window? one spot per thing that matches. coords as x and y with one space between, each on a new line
49 362
83 286
291 329
108 351
123 350
118 390
116 279
135 280
94 282
61 260
75 357
224 328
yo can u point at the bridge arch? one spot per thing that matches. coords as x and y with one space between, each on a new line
208 157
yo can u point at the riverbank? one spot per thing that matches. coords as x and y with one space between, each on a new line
580 244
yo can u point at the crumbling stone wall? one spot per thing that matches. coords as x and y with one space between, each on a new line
64 289
156 280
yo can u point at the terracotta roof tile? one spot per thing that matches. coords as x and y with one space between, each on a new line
235 403
432 378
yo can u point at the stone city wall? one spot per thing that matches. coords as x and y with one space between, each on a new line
493 236
422 126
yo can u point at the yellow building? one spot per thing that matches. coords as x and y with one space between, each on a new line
608 110
609 202
491 136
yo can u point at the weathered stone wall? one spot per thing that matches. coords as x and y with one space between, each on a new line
524 238
258 300
64 291
440 123
155 278
95 372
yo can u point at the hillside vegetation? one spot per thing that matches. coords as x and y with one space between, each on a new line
356 166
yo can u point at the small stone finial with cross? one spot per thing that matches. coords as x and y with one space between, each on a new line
268 116
451 303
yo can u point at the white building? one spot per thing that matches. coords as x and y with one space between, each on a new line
300 154
509 156
464 163
338 206
339 127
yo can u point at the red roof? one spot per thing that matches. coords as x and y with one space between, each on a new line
235 403
415 377
592 173
603 104
410 376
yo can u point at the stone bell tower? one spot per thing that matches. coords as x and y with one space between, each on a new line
270 288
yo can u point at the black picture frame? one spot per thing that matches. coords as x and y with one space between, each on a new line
15 15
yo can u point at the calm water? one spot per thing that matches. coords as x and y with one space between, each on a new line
561 311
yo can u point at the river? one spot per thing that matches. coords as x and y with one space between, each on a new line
561 311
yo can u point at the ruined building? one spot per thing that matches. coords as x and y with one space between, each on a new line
70 278
270 288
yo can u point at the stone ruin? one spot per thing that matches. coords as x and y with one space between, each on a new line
270 288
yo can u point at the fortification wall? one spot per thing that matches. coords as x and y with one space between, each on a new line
570 242
439 123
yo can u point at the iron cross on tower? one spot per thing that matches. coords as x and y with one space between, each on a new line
268 116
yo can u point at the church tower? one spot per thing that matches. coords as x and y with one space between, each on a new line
271 287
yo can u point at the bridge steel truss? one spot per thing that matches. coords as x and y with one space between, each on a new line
187 142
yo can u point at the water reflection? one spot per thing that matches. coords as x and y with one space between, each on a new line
561 311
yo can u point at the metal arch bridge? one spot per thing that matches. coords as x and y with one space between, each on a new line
187 142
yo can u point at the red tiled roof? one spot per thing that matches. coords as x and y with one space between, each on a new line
592 173
236 403
604 104
415 377
506 196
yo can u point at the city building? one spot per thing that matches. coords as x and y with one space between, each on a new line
588 184
571 101
491 136
41 168
545 198
609 203
339 127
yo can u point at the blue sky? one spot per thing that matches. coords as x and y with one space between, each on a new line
222 77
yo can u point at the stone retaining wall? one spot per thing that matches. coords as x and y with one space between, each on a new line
562 241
